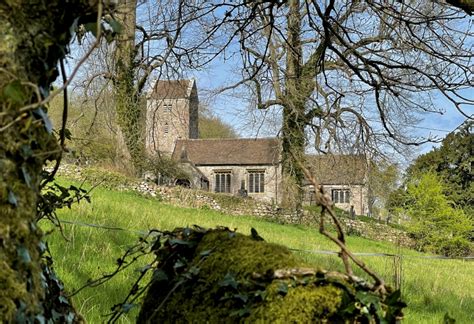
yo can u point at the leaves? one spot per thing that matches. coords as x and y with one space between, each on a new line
23 254
12 200
40 114
26 176
282 288
15 92
229 281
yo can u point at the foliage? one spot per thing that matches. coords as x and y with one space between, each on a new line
453 163
165 169
436 225
92 131
382 182
446 287
211 126
107 178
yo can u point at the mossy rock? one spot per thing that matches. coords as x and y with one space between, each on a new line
215 276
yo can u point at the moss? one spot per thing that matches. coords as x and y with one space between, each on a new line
302 304
222 276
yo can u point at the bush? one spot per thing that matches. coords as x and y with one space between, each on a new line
436 225
164 169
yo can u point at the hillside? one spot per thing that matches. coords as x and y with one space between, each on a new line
448 286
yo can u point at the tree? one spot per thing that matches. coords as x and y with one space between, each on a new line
382 183
34 37
453 163
211 126
436 225
342 68
157 40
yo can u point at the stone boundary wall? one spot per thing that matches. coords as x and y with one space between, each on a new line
192 198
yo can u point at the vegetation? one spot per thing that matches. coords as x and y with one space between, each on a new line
383 181
164 169
219 275
436 225
211 126
91 129
35 36
91 252
453 163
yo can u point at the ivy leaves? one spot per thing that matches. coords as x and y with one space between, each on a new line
109 28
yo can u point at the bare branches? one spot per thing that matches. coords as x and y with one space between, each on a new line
323 200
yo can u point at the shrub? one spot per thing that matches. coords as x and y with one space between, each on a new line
436 225
164 169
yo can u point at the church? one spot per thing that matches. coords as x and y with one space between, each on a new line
241 166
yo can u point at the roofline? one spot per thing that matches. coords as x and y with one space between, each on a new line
241 164
229 139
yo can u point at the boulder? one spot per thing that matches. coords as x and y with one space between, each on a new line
218 275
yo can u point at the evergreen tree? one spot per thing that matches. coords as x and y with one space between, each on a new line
453 162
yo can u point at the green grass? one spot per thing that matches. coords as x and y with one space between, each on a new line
430 287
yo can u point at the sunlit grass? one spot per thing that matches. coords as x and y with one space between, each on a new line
431 287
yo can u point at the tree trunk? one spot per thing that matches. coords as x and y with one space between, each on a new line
293 132
127 98
33 36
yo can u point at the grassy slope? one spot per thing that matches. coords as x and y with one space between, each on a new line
431 287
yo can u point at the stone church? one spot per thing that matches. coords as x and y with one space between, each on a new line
243 166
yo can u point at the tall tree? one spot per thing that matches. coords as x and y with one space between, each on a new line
34 36
453 162
157 40
127 96
352 72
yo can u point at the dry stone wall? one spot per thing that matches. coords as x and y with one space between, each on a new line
231 205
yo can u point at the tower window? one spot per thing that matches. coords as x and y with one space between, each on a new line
167 109
166 128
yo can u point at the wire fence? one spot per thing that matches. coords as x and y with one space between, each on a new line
375 254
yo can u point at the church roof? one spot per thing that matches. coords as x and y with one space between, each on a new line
338 169
240 151
328 169
172 89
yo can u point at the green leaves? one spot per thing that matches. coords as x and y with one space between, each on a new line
229 281
12 200
23 254
282 288
109 28
15 92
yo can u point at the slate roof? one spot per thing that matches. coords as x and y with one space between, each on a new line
241 151
172 89
338 169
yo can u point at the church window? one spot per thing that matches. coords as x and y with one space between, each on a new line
341 196
222 181
256 181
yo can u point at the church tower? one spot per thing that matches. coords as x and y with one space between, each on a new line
172 114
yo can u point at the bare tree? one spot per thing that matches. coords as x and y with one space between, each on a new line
353 72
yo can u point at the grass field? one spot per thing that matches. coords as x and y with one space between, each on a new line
430 287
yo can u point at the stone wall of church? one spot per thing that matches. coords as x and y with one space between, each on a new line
358 197
240 179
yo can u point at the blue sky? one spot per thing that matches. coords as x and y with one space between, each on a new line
228 107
